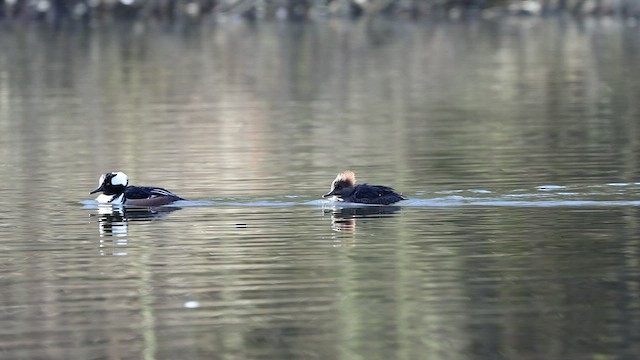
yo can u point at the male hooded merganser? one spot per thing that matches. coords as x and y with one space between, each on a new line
344 188
115 191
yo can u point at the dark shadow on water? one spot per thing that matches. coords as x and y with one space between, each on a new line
365 211
149 214
344 219
113 221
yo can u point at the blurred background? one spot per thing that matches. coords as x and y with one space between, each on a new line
186 10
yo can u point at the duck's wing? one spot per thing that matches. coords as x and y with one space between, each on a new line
148 192
376 194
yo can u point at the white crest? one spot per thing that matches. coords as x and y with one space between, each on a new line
120 179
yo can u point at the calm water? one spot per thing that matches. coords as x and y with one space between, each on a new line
516 141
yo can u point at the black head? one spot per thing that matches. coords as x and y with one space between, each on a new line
112 183
346 180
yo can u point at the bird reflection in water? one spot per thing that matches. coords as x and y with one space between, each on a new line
113 225
343 220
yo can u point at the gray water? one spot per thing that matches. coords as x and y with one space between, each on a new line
516 142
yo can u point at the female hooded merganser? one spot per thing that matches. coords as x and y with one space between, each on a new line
344 188
115 191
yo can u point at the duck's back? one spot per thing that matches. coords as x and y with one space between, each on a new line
375 194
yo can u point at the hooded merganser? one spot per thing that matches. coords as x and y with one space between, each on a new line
344 188
115 191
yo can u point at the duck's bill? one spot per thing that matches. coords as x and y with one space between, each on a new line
99 189
330 193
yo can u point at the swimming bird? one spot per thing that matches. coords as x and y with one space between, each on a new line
116 191
344 188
